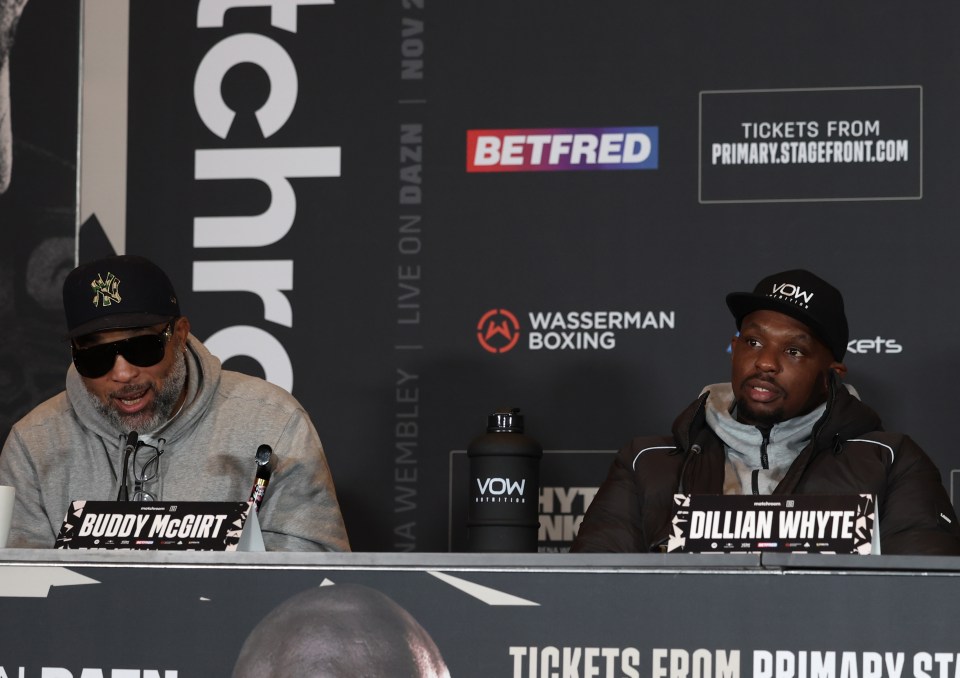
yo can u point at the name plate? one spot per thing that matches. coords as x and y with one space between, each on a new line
156 525
781 523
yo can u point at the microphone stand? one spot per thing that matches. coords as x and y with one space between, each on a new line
124 494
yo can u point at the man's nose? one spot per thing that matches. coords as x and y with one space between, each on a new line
122 370
768 359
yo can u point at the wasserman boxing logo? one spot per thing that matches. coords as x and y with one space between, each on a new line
498 330
562 149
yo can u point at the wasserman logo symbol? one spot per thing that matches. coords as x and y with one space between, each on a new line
498 330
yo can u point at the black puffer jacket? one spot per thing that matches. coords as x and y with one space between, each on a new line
848 454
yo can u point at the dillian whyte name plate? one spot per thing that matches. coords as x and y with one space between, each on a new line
783 523
156 525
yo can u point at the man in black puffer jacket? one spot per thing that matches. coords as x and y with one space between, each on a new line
785 424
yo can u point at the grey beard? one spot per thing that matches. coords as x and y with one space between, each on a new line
164 401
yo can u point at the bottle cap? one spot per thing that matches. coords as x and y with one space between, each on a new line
505 420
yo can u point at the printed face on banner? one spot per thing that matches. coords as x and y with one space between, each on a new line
9 15
780 368
137 398
341 630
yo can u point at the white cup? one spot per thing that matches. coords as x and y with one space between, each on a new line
6 513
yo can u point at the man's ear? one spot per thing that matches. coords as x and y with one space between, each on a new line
839 368
181 329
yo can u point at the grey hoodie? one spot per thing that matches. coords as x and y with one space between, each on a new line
743 443
64 450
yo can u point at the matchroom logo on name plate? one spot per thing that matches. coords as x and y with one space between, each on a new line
562 149
499 330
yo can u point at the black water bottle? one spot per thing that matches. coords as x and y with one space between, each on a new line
503 515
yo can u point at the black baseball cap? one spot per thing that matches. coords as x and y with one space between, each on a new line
803 296
120 292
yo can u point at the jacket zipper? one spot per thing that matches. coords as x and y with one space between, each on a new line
764 459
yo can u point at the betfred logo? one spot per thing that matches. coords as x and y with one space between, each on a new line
555 150
498 330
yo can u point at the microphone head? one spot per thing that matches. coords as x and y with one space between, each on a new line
263 455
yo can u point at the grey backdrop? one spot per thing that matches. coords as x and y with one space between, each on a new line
396 260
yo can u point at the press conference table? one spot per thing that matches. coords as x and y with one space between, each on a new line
67 614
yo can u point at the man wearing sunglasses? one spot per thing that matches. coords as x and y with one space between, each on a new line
138 370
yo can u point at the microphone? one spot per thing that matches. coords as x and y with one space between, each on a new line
265 463
132 438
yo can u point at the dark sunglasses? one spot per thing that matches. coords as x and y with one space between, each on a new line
144 350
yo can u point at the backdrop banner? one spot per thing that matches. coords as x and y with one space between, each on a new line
413 214
276 614
38 147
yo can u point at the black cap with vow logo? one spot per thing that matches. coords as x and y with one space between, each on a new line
121 292
803 296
